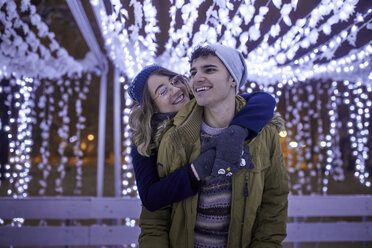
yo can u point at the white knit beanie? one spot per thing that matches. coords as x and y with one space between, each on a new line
234 62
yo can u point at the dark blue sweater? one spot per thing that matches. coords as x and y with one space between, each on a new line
158 192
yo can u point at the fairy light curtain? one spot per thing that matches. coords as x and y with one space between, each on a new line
282 60
31 61
64 108
327 132
285 47
131 31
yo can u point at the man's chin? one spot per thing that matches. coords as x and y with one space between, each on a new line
203 103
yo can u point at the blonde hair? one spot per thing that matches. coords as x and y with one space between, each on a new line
141 114
140 123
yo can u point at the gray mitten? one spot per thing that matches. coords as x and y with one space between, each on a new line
204 163
223 169
229 149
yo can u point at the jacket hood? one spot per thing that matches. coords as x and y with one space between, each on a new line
278 122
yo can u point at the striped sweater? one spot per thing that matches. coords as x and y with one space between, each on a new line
213 213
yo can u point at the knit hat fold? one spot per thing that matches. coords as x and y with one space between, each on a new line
234 62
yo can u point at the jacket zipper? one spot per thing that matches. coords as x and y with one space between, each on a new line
245 188
245 193
187 224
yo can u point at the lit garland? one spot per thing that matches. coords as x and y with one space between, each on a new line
80 125
177 47
127 168
264 61
129 186
126 47
304 33
332 145
47 108
304 105
321 134
63 131
25 59
20 102
358 129
26 54
274 64
46 105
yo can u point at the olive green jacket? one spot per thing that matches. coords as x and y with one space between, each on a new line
258 219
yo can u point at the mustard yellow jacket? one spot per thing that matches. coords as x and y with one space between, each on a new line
258 219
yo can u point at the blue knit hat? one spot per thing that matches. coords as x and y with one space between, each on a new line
135 89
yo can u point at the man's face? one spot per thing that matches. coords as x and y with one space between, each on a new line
210 81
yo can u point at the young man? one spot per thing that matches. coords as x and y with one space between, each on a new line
245 209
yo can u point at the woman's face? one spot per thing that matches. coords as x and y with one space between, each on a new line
168 96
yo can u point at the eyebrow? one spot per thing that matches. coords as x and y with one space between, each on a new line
157 88
204 67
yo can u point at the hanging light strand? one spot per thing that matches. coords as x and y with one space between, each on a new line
27 54
46 105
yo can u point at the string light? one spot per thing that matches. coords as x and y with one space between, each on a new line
63 132
128 183
20 104
358 130
80 125
26 54
316 153
277 67
275 63
333 158
46 106
24 59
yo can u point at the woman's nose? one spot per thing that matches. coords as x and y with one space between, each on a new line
173 89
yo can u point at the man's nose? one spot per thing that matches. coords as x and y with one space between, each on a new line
198 77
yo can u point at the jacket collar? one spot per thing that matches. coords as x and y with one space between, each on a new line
188 120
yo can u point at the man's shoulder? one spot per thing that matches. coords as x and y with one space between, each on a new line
269 135
275 125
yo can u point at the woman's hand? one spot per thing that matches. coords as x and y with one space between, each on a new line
202 165
229 147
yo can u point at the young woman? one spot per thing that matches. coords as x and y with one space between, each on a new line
159 94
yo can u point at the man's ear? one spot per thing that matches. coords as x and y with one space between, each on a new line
233 83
